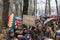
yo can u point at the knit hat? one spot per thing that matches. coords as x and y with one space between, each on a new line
57 32
10 31
23 38
43 38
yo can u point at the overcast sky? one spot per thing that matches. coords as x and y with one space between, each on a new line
41 4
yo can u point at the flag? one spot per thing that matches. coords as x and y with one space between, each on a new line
17 22
12 21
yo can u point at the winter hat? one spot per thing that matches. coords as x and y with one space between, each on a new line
10 31
57 32
43 38
23 38
27 36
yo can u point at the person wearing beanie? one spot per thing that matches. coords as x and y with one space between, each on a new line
1 36
23 38
5 35
57 35
19 30
43 38
11 35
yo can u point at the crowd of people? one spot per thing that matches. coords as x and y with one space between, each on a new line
38 32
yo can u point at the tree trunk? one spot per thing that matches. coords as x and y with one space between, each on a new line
46 7
21 9
25 7
57 13
35 7
49 7
5 11
57 7
16 7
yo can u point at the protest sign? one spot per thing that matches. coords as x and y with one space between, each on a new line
29 20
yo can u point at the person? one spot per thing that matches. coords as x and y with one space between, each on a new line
57 35
39 32
5 35
11 35
28 34
1 36
44 38
19 30
49 32
1 29
21 37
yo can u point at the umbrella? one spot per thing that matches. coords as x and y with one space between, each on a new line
48 20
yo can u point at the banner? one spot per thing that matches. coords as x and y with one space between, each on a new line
29 20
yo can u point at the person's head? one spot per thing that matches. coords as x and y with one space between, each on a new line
54 22
19 36
11 33
20 26
49 29
57 35
40 27
4 32
44 38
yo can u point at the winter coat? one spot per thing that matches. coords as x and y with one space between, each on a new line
1 36
5 38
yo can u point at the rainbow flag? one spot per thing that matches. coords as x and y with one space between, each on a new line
10 20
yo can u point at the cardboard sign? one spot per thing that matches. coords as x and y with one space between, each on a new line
29 20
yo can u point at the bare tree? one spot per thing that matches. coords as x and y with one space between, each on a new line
25 7
35 7
49 7
32 8
46 7
5 11
21 7
57 7
16 7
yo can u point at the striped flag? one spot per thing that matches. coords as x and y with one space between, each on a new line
11 21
